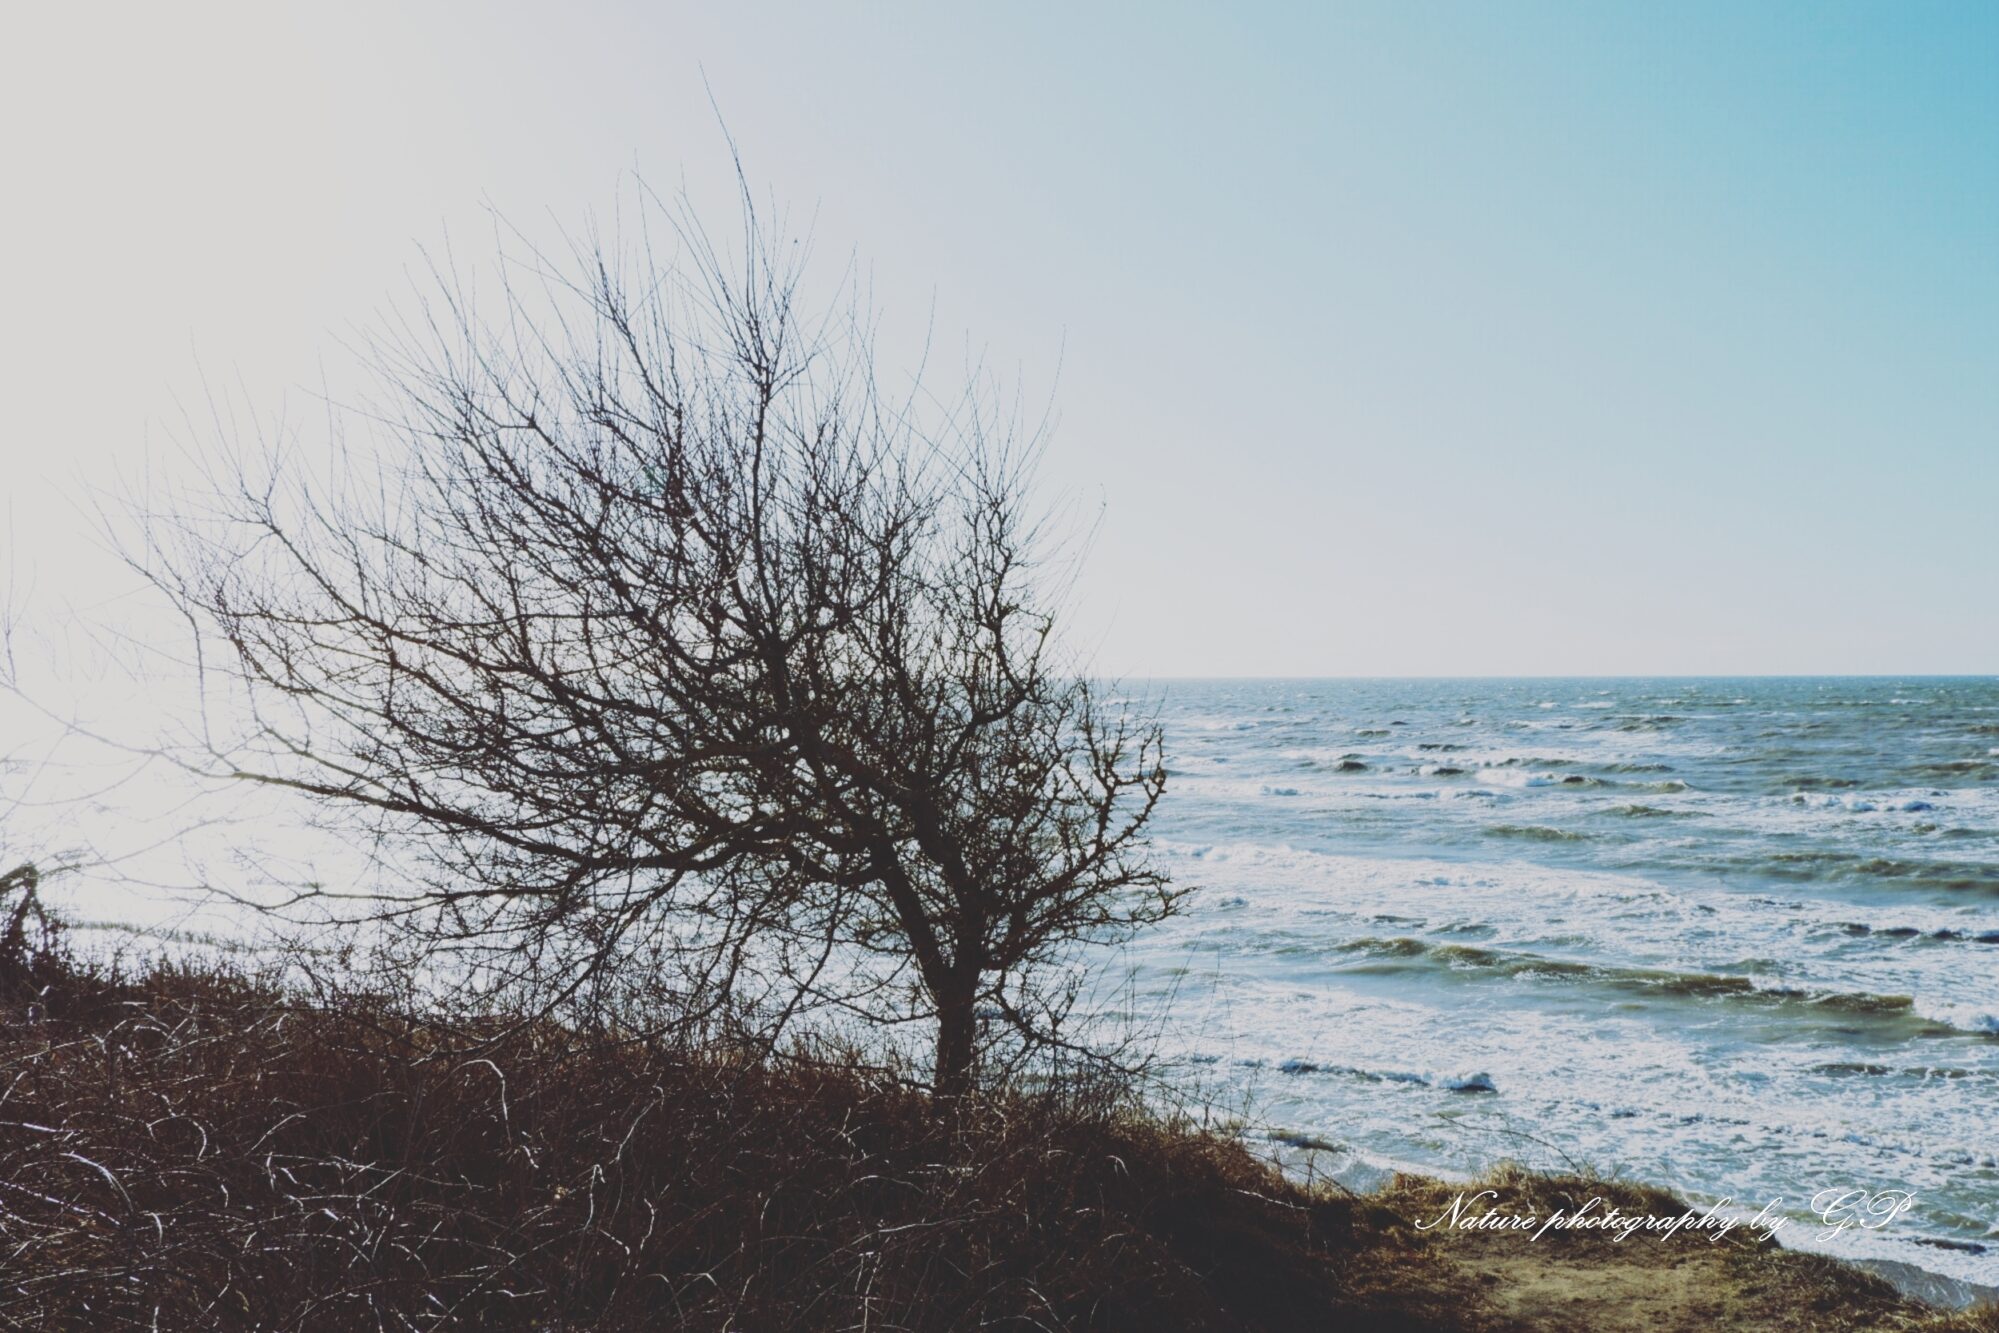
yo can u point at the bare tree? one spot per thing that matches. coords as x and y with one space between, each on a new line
659 629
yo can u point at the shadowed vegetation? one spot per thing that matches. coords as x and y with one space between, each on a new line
188 1147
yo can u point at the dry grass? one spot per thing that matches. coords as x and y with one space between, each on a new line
189 1148
1593 1280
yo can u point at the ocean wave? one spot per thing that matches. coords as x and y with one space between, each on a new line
1854 803
1939 934
1222 723
1962 1017
1525 890
1872 1069
1838 864
1321 757
1937 1018
1978 770
1469 1081
1650 722
1535 833
1517 777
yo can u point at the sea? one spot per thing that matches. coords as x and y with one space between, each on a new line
1735 937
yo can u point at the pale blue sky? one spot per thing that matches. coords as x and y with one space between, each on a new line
1398 338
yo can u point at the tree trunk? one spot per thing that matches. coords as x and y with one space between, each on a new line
955 1034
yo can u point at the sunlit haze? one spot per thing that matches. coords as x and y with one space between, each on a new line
1388 339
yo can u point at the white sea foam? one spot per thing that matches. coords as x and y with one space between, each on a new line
1659 969
1804 944
1432 770
1514 777
1963 1017
1219 723
1854 803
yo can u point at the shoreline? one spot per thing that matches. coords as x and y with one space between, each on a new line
1299 1158
1736 1280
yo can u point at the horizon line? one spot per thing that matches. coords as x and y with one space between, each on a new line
1664 675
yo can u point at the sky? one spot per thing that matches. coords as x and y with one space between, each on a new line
1401 338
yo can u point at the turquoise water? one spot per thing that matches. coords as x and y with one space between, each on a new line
1738 937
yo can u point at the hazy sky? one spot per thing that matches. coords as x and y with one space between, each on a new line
1400 338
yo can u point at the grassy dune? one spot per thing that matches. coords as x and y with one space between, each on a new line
191 1149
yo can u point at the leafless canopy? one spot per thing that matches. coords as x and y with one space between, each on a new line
662 632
